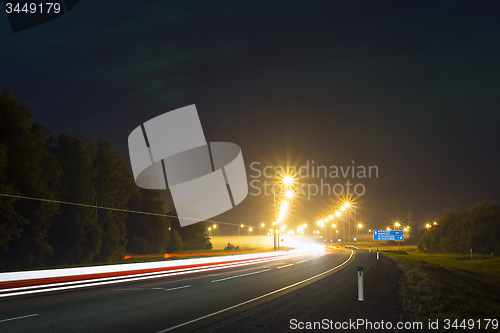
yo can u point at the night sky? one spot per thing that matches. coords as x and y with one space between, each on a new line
409 87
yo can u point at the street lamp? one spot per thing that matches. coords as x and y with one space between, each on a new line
345 206
287 181
239 229
359 227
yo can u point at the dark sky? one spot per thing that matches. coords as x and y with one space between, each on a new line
410 87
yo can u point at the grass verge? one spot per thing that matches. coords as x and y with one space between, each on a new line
448 286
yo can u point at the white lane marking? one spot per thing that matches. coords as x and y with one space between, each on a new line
237 276
256 298
31 315
285 266
178 288
137 278
302 261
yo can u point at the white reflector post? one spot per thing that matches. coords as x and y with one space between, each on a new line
377 254
360 284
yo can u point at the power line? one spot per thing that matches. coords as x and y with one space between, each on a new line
109 208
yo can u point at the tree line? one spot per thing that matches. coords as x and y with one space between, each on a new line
82 170
458 231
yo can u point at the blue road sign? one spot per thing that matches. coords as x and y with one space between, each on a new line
394 235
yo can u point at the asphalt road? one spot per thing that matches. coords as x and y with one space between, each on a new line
333 298
208 300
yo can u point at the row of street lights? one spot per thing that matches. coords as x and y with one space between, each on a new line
346 206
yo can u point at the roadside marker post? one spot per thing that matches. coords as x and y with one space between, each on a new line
360 284
377 254
369 249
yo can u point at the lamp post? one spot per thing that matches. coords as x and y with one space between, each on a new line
275 221
398 227
337 214
359 227
287 181
346 206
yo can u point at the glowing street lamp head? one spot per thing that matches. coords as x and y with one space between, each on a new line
334 225
397 224
360 226
289 194
337 213
209 229
262 225
250 229
242 225
321 223
330 217
388 229
427 225
215 226
347 204
304 225
326 220
287 180
342 208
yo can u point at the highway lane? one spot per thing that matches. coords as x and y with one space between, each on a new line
158 304
332 298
